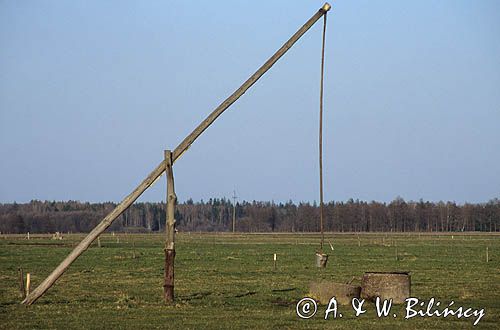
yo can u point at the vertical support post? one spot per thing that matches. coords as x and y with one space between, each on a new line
168 286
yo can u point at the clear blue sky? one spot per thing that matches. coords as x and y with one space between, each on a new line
92 92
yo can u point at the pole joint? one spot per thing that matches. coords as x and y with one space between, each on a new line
326 7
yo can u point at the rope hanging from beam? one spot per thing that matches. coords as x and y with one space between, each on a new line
321 134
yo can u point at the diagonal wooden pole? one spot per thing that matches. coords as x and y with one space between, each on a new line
181 148
184 145
87 241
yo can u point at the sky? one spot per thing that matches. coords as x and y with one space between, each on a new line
92 92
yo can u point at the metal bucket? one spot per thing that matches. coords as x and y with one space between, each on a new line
321 260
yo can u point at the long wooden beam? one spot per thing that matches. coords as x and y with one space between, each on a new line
183 146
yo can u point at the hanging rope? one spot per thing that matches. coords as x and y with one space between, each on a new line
321 133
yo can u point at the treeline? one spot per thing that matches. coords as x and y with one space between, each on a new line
217 214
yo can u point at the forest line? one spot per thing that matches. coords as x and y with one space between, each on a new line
216 214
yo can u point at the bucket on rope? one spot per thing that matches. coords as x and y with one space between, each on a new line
321 259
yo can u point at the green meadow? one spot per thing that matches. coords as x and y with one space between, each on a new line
228 281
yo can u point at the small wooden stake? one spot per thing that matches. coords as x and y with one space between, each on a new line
274 261
487 255
28 236
22 290
133 249
28 283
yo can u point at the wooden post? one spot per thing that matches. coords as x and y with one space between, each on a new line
274 258
168 287
28 283
22 290
487 255
133 248
181 148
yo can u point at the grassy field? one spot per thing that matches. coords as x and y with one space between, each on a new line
228 281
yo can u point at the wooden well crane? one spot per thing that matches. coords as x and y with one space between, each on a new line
166 165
